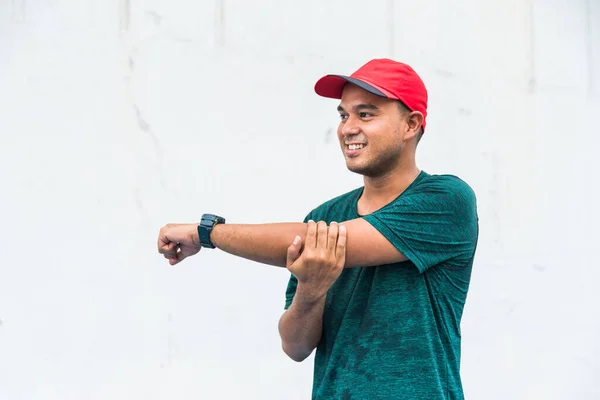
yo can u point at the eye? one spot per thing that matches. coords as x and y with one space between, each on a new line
343 117
365 115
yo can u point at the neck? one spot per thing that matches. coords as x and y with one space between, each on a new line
381 190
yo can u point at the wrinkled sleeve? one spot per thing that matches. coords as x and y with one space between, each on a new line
433 224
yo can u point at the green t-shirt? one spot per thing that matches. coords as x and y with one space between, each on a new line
393 331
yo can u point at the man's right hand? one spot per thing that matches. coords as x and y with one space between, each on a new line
321 262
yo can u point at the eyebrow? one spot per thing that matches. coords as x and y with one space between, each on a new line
362 106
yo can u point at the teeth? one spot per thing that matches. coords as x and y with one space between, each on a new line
356 146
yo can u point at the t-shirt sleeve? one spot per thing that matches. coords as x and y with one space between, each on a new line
436 222
293 282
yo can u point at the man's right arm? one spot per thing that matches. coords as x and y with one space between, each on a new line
316 269
301 326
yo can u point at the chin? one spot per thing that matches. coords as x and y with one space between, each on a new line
359 169
371 171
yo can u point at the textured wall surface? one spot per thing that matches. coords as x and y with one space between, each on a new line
117 117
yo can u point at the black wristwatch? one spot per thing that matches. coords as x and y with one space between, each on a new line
206 226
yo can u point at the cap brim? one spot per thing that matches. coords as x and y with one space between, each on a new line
332 86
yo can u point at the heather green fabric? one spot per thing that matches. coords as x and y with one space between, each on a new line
393 331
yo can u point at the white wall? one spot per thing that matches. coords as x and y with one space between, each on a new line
118 117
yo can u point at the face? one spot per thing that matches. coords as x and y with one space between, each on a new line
373 132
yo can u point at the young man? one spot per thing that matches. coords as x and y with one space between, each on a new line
378 285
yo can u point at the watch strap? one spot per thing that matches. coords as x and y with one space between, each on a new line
205 227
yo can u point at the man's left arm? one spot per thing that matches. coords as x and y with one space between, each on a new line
268 243
432 225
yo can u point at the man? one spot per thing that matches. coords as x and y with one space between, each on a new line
378 285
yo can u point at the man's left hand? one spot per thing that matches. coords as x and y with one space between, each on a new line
178 241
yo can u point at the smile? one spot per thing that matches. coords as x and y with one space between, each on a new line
355 146
354 149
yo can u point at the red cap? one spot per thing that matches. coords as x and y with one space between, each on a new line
383 77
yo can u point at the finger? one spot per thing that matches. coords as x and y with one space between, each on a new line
322 235
332 237
340 250
178 258
293 252
172 259
165 244
163 240
311 234
169 249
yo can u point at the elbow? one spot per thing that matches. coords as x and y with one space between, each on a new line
295 354
296 348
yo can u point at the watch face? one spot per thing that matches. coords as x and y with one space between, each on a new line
206 225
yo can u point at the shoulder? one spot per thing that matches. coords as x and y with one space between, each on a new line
444 185
336 204
445 182
436 194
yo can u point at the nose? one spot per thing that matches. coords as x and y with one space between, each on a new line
350 126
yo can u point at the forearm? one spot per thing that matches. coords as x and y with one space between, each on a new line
301 327
268 243
264 243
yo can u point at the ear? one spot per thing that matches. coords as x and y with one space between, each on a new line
414 122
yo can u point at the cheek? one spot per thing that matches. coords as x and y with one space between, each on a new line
383 136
